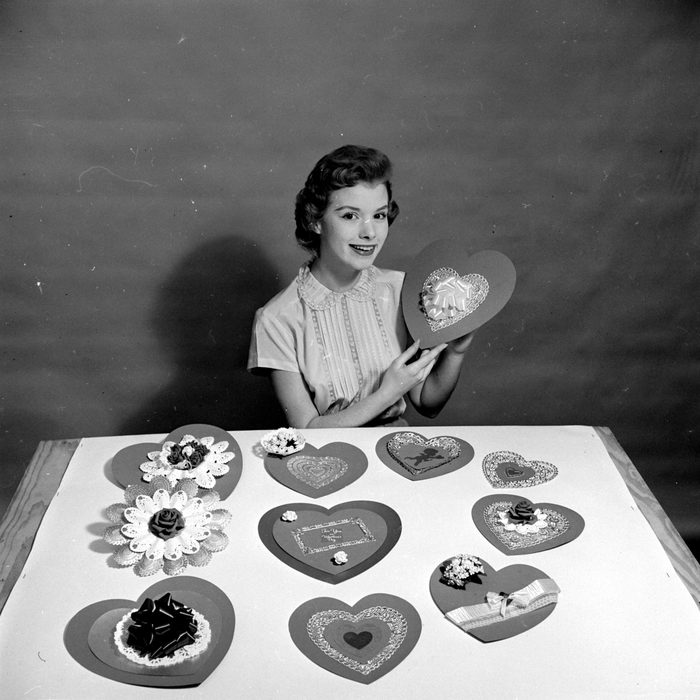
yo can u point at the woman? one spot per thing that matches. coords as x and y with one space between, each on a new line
334 341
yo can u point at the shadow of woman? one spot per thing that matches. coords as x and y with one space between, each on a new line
203 317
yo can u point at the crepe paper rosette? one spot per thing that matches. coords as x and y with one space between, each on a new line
173 636
330 544
159 527
362 642
505 469
416 457
516 525
204 453
312 471
492 605
448 293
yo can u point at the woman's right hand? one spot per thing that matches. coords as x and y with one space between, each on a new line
402 375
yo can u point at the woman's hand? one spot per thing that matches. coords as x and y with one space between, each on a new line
402 375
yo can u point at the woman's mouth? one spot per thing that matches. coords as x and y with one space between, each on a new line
364 249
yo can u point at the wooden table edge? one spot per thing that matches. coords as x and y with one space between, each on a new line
676 549
35 492
43 476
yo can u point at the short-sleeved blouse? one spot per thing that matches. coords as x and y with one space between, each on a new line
340 342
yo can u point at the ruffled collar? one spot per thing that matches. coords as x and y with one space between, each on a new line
318 297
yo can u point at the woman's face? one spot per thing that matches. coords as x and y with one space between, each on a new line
354 226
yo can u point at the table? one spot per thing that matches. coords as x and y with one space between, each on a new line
60 468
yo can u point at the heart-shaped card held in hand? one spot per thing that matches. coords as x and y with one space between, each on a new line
416 457
204 453
448 293
181 653
492 605
330 544
516 525
317 472
509 469
362 642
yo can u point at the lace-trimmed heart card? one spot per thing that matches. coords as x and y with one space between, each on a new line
317 472
515 525
173 636
330 544
204 453
491 605
416 457
361 642
448 293
509 469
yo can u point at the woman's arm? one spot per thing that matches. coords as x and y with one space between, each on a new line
430 397
400 377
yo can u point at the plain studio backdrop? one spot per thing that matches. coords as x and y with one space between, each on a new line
151 153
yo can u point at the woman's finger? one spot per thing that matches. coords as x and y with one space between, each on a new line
408 353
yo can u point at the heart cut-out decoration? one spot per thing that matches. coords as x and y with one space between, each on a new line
507 580
551 527
89 635
509 469
316 472
126 463
448 293
311 539
362 642
416 457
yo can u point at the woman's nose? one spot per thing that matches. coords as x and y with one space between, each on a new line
367 228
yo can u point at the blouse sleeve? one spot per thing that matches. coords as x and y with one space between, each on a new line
272 344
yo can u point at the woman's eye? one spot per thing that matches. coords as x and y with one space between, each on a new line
380 215
349 215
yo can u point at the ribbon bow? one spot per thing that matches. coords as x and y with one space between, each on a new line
448 295
520 599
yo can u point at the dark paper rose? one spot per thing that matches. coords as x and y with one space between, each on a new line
166 523
522 512
189 455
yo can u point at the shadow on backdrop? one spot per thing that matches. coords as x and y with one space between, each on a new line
203 317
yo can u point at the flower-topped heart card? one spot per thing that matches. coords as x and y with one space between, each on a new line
173 636
492 605
204 453
416 457
162 527
516 525
330 544
309 470
361 642
448 293
505 469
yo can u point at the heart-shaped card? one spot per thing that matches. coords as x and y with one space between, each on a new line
448 293
89 635
317 472
416 457
362 642
213 459
516 525
468 608
509 469
330 544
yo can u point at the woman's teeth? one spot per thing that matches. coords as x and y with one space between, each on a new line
363 249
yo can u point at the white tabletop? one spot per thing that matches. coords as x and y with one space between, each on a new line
625 625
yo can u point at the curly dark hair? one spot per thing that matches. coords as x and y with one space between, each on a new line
343 167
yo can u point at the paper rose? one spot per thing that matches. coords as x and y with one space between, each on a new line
163 527
283 441
199 459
